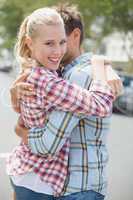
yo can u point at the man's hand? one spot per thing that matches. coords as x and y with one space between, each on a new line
19 89
21 131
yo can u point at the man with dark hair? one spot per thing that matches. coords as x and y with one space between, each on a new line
72 19
88 154
74 27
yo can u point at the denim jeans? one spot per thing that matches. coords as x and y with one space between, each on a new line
23 193
86 195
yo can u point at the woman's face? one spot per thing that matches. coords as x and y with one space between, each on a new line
49 45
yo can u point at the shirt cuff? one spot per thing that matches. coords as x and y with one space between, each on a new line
102 87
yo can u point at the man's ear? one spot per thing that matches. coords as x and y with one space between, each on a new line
76 34
28 41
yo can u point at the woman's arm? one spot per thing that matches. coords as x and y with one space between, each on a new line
70 97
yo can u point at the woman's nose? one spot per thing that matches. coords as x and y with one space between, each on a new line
57 50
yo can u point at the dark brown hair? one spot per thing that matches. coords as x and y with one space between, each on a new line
72 18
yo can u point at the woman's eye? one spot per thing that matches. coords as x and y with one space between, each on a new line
63 42
49 43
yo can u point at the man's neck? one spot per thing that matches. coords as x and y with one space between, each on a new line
72 58
76 56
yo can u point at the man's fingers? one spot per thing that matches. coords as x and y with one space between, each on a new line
25 92
17 130
25 86
21 78
24 89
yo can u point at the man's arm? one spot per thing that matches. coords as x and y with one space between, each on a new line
51 138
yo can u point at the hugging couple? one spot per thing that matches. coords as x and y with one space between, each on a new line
64 100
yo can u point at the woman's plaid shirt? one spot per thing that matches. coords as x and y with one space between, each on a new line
54 92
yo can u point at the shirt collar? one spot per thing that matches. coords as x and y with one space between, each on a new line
79 60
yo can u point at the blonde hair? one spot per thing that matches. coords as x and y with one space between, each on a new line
29 28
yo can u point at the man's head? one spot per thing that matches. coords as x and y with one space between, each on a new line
74 30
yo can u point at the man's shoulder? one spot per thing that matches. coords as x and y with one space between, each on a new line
83 65
80 74
80 71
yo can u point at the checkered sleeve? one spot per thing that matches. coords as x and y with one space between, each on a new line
66 96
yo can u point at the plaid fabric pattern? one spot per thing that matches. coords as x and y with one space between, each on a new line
88 155
52 170
53 91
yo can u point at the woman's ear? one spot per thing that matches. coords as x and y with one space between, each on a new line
28 41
